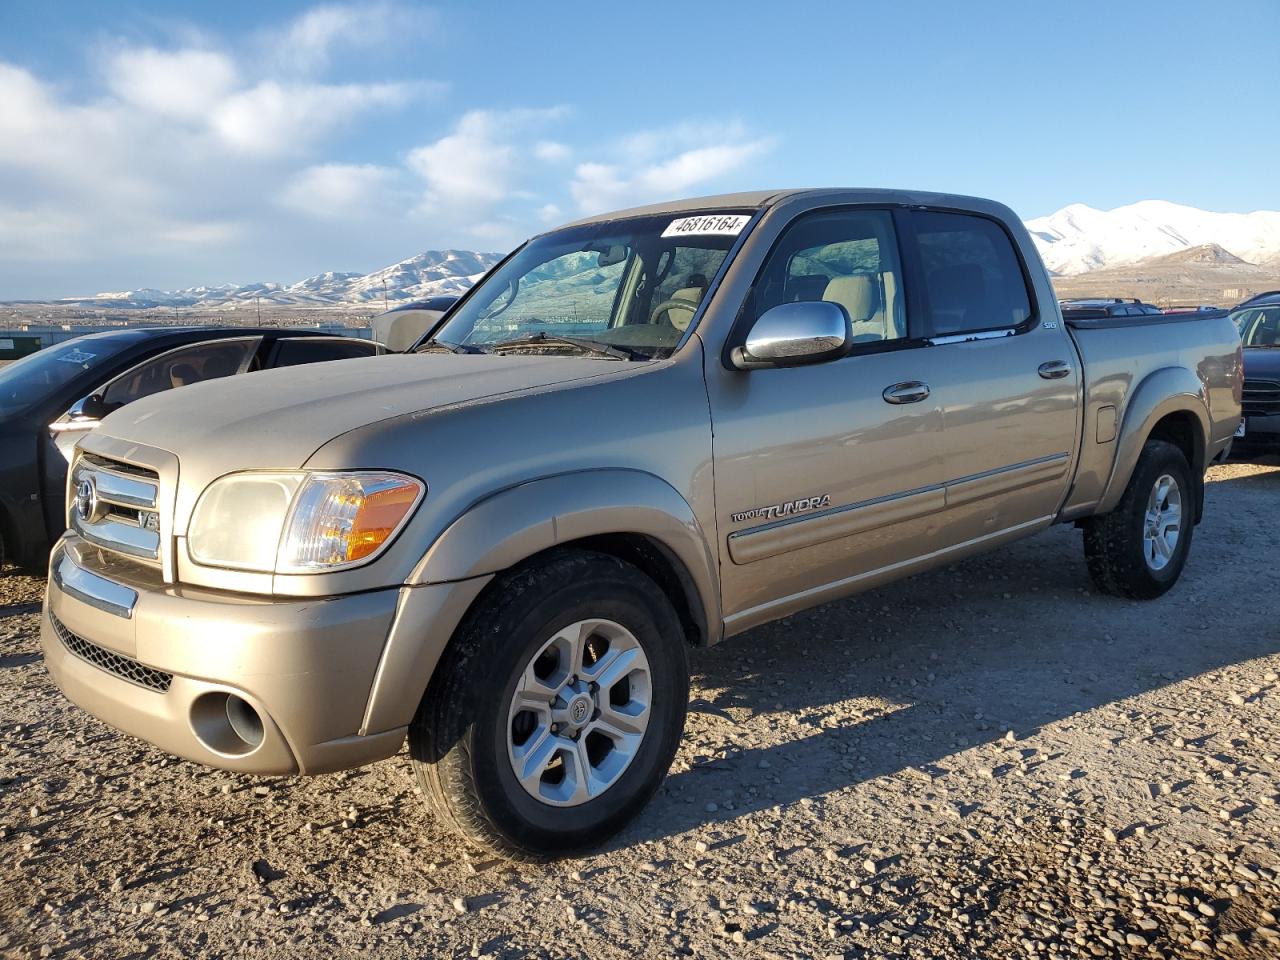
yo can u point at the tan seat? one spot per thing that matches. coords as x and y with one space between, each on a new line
860 296
679 317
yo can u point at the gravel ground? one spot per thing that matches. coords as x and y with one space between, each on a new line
986 761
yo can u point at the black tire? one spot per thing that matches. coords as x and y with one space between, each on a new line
458 739
1114 543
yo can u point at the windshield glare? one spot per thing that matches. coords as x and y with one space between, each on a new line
25 382
1258 326
620 283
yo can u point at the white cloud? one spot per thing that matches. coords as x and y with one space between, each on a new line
182 83
477 164
275 118
550 213
550 151
307 43
470 165
650 171
340 191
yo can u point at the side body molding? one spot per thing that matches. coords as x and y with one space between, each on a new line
1164 391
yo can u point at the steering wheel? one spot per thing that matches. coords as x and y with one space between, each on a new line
665 305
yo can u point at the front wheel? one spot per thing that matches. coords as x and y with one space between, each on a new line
556 711
1138 550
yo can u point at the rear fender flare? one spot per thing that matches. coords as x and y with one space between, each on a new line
1164 391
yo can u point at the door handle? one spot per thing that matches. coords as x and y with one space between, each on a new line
1055 370
909 391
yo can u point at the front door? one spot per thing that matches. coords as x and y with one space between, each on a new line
827 473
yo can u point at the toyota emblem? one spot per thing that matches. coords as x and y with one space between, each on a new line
86 499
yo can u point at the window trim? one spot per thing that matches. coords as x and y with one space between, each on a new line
977 333
742 324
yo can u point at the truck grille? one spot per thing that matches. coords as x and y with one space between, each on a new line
1261 398
121 666
115 506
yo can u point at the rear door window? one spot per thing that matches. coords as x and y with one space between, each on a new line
293 351
972 276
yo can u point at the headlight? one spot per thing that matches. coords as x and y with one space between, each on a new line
300 522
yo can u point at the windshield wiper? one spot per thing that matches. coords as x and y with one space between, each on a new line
595 348
437 345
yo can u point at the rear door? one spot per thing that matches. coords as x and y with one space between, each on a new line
1009 383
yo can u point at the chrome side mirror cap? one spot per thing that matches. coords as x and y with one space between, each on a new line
794 334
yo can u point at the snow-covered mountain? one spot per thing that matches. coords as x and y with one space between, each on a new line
1075 240
430 274
1078 238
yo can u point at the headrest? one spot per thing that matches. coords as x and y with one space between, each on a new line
181 374
857 294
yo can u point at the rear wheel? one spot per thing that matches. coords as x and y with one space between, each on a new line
557 709
1139 549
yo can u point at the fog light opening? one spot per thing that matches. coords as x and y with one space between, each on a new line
227 724
244 720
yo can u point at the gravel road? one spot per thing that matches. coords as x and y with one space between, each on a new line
985 761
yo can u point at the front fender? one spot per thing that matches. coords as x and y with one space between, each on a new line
509 526
502 530
1165 391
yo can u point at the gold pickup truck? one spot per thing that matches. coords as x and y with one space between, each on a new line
640 432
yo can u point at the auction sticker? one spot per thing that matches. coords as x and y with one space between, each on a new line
76 356
711 224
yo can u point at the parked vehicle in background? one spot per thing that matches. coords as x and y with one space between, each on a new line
1268 296
403 326
51 398
1192 308
1258 320
641 431
1095 308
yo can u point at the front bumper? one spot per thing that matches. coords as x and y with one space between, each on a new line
306 667
1261 437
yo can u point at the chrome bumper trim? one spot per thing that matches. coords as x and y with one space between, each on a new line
96 591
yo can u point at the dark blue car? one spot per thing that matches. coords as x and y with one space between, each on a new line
50 399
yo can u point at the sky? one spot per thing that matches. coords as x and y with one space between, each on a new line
176 144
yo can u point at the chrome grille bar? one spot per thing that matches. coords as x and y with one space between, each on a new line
115 506
122 537
125 491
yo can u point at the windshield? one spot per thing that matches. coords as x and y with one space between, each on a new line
1258 326
25 382
620 288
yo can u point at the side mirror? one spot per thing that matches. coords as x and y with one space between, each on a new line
794 334
92 407
83 415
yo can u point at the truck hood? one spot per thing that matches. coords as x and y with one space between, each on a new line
1262 363
278 418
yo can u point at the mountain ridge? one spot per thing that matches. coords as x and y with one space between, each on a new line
1079 239
431 273
1073 242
